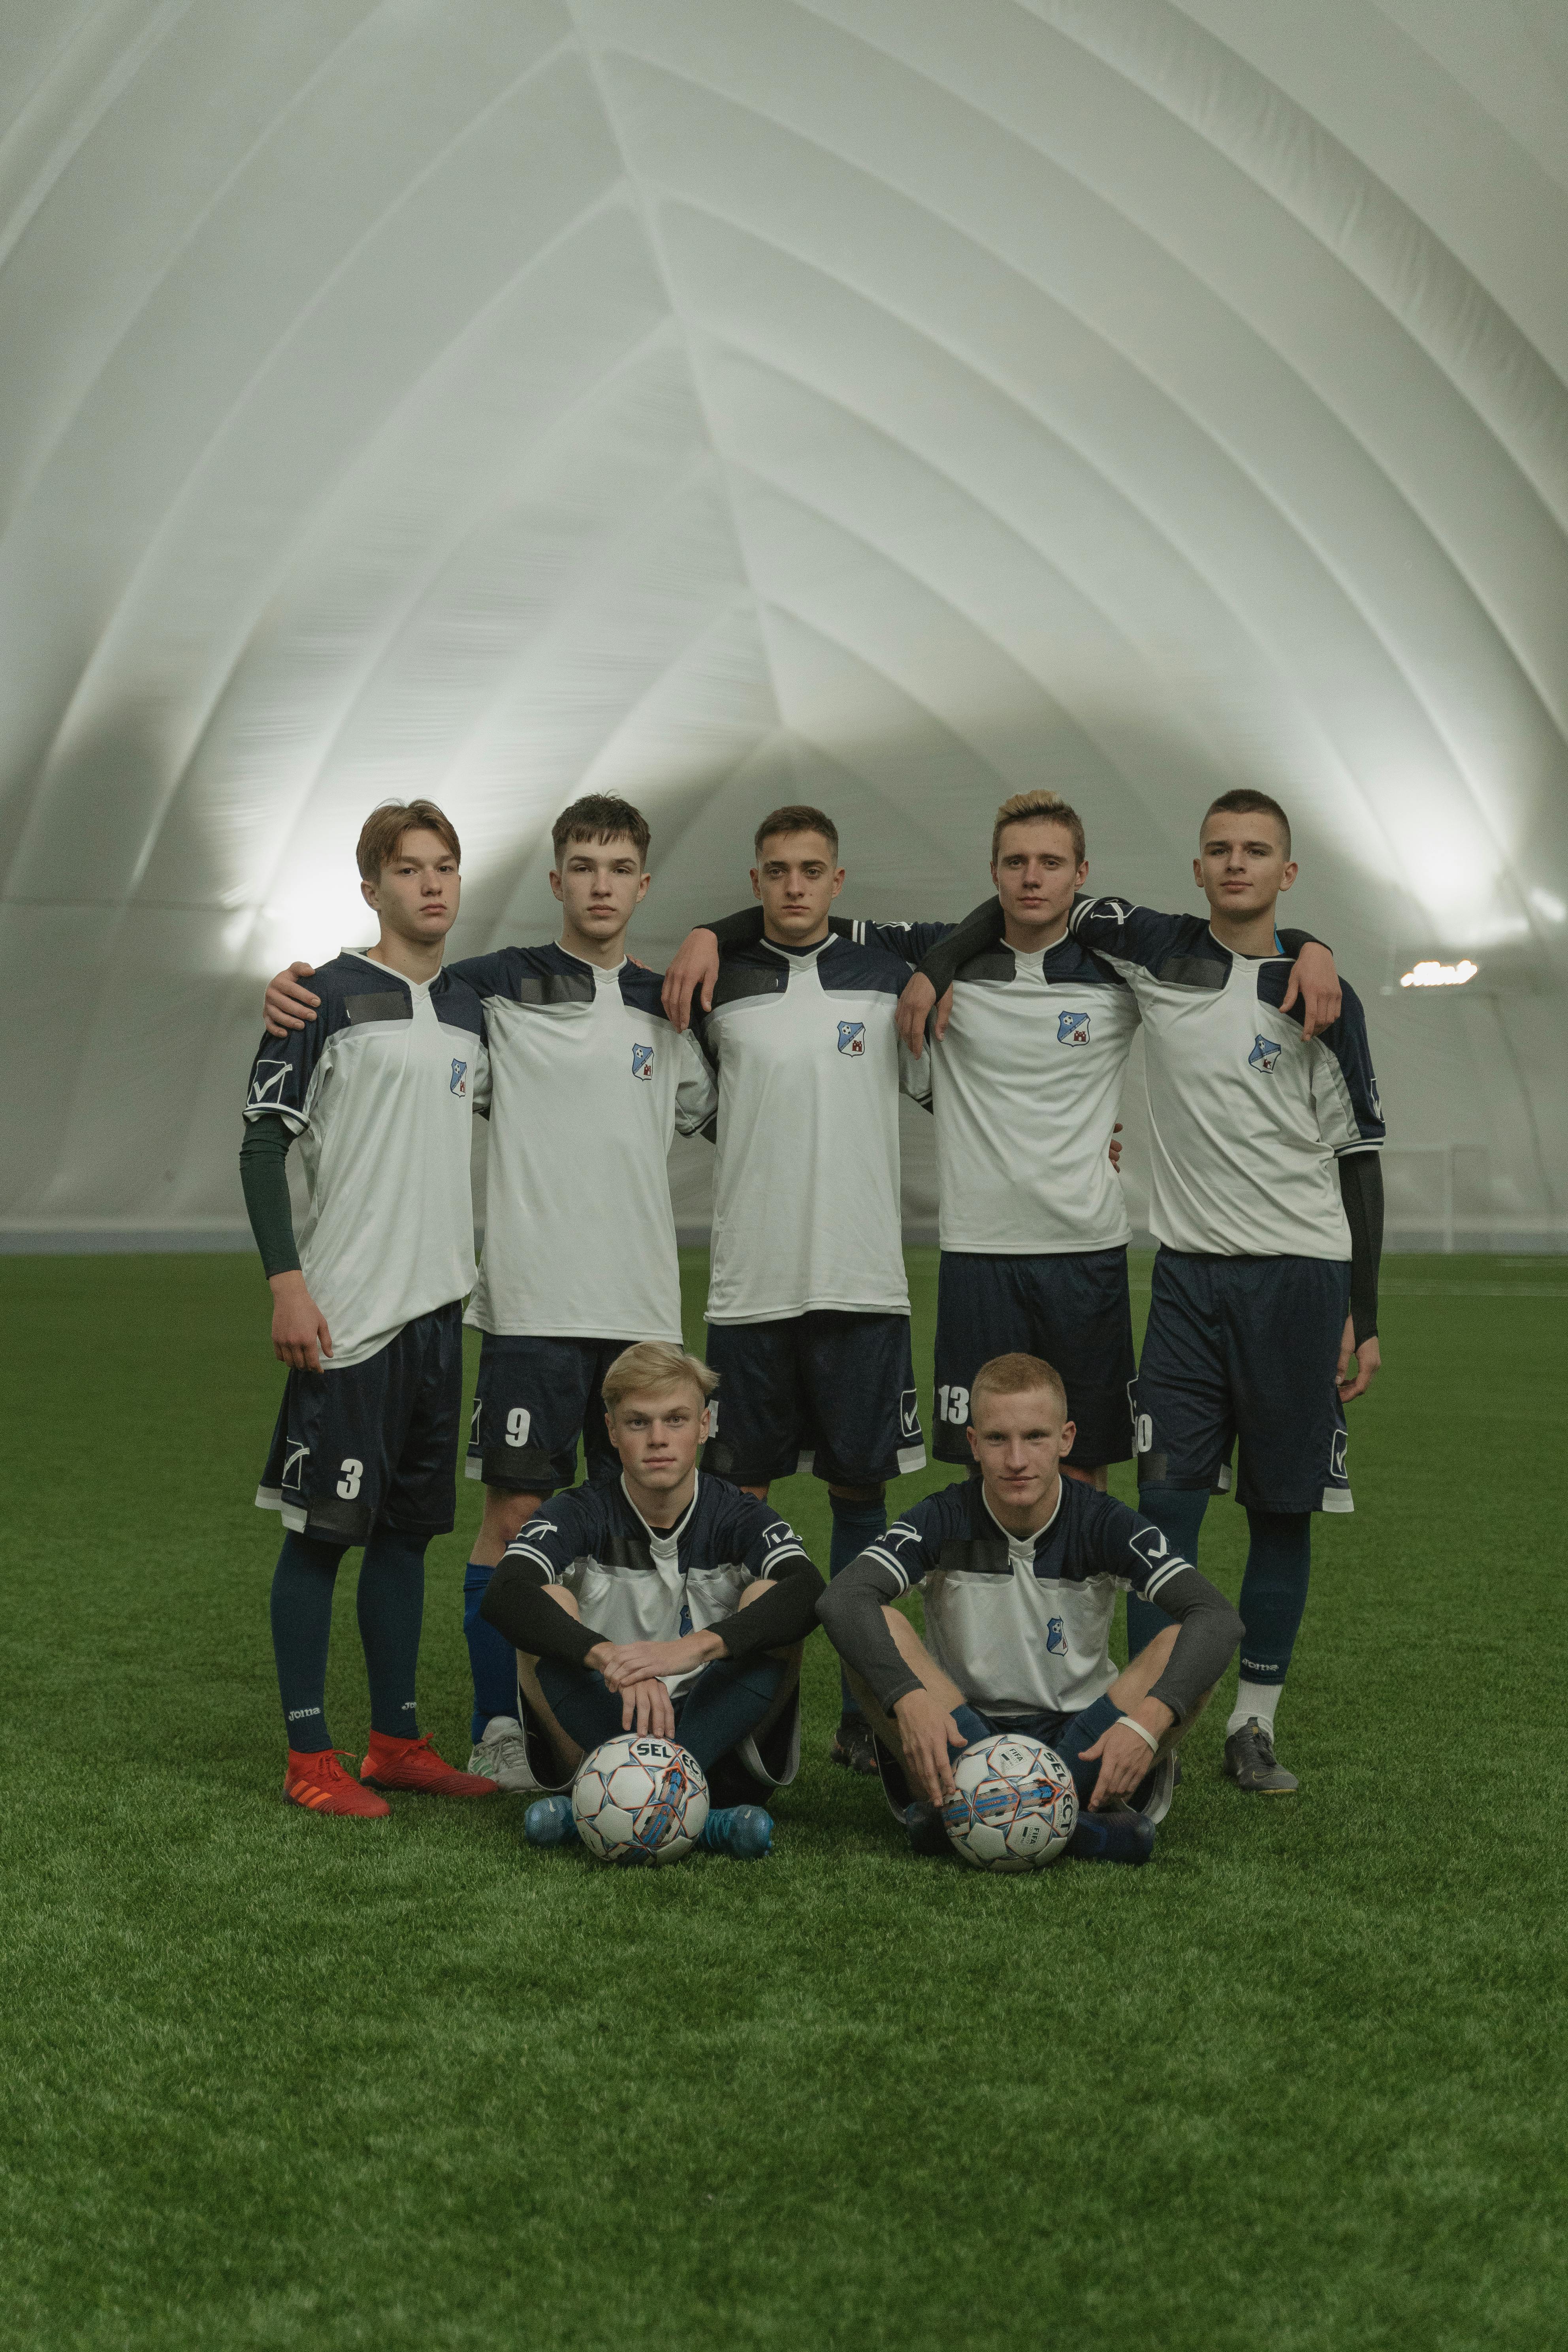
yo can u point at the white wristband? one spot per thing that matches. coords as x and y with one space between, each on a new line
1142 1730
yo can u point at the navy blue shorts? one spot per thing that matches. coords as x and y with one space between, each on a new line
375 1444
1069 1735
1246 1348
534 1398
1072 1309
830 1392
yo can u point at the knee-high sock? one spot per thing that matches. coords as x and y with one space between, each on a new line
1273 1596
1178 1513
729 1698
391 1612
302 1585
492 1661
855 1524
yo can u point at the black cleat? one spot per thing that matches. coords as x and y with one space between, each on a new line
1123 1836
1251 1763
927 1829
853 1746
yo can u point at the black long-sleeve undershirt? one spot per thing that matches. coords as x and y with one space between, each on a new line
264 1178
517 1604
852 1607
1360 1190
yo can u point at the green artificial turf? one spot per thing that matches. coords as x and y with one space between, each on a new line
270 2080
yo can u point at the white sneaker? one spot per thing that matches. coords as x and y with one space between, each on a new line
502 1756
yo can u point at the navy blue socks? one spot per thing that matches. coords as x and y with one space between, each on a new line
1273 1596
491 1658
302 1585
1178 1513
855 1524
391 1602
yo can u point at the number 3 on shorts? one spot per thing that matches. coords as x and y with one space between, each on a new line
348 1484
517 1425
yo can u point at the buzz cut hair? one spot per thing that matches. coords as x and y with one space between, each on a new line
797 818
601 817
652 1367
1051 807
384 827
1246 803
1016 1376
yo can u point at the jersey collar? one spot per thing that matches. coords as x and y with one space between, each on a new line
662 1535
1015 1542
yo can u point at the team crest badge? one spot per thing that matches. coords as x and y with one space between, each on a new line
459 1079
852 1036
1264 1054
1057 1638
642 1062
1072 1029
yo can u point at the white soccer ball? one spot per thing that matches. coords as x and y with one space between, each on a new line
638 1799
1015 1807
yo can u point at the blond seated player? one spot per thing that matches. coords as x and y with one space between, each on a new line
1019 1570
664 1602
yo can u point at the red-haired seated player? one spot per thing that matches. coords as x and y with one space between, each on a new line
367 1309
1019 1570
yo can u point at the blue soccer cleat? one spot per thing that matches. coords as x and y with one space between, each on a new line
742 1831
1120 1836
549 1822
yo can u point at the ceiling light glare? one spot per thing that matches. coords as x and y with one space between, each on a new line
1547 903
1439 976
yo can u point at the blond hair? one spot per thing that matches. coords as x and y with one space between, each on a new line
1051 805
1016 1376
653 1365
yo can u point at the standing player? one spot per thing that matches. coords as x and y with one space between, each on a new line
808 1305
1266 1201
590 1085
367 1312
661 1602
1033 1234
1019 1570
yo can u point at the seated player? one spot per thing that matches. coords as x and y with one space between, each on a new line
368 1311
664 1601
1020 1568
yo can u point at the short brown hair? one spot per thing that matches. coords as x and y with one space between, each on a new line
601 817
797 818
384 827
1016 1376
1048 805
653 1365
1246 803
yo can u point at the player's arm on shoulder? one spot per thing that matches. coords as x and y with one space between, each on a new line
288 1003
929 993
696 964
1315 979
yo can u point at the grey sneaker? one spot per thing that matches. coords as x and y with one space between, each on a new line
853 1746
1251 1763
502 1756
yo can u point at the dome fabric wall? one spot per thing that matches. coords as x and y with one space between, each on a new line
883 403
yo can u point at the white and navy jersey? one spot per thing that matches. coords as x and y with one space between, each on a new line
381 1090
1246 1116
591 1084
1022 1623
1024 1088
635 1583
806 1192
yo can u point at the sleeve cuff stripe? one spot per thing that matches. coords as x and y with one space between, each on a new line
527 1552
1163 1576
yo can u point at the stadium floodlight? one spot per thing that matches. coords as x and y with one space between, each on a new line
1439 976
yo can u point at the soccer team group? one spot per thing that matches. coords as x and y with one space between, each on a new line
663 1596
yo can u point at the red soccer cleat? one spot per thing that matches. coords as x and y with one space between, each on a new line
317 1781
392 1763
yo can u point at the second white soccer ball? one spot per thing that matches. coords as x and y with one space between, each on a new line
1017 1806
638 1799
